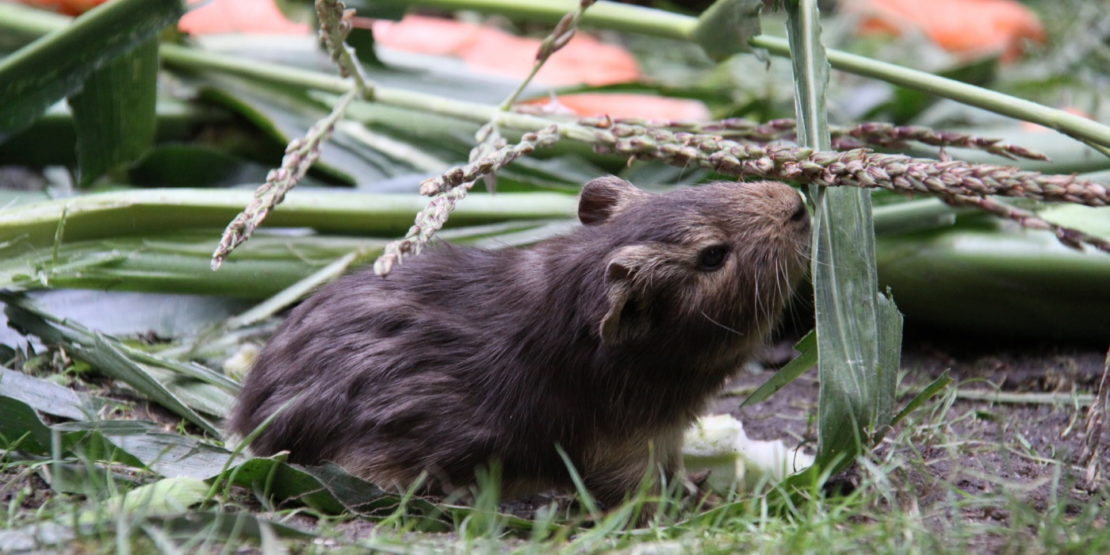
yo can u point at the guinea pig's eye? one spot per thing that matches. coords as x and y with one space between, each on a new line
712 258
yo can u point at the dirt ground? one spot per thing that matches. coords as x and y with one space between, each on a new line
1027 449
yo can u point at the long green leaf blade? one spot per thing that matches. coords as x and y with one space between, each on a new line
57 64
858 330
98 215
114 112
103 353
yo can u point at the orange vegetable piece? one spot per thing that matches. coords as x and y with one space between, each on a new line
68 7
239 16
970 28
487 49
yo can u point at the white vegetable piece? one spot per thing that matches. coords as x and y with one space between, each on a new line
736 463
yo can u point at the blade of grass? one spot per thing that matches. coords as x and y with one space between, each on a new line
806 359
930 390
579 485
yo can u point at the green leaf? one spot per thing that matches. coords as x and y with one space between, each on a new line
143 445
48 397
102 352
858 330
230 528
327 488
226 527
21 427
725 28
131 442
190 165
566 173
177 261
295 292
166 454
114 113
51 140
284 114
168 496
806 359
57 64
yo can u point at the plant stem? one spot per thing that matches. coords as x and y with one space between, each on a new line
30 22
1036 398
1086 130
147 210
607 15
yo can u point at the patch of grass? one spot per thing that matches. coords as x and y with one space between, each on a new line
904 498
957 475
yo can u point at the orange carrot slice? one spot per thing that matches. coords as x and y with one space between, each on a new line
969 28
240 16
490 50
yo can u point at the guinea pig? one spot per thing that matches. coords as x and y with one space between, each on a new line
606 342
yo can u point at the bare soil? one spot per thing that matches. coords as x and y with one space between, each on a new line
1027 450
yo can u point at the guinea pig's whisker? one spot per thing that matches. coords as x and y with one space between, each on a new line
757 298
722 326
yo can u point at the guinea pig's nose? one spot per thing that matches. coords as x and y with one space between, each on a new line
800 216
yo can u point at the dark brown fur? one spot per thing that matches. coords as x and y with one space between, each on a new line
607 342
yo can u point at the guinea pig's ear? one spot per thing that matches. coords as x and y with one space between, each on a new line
627 317
604 197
